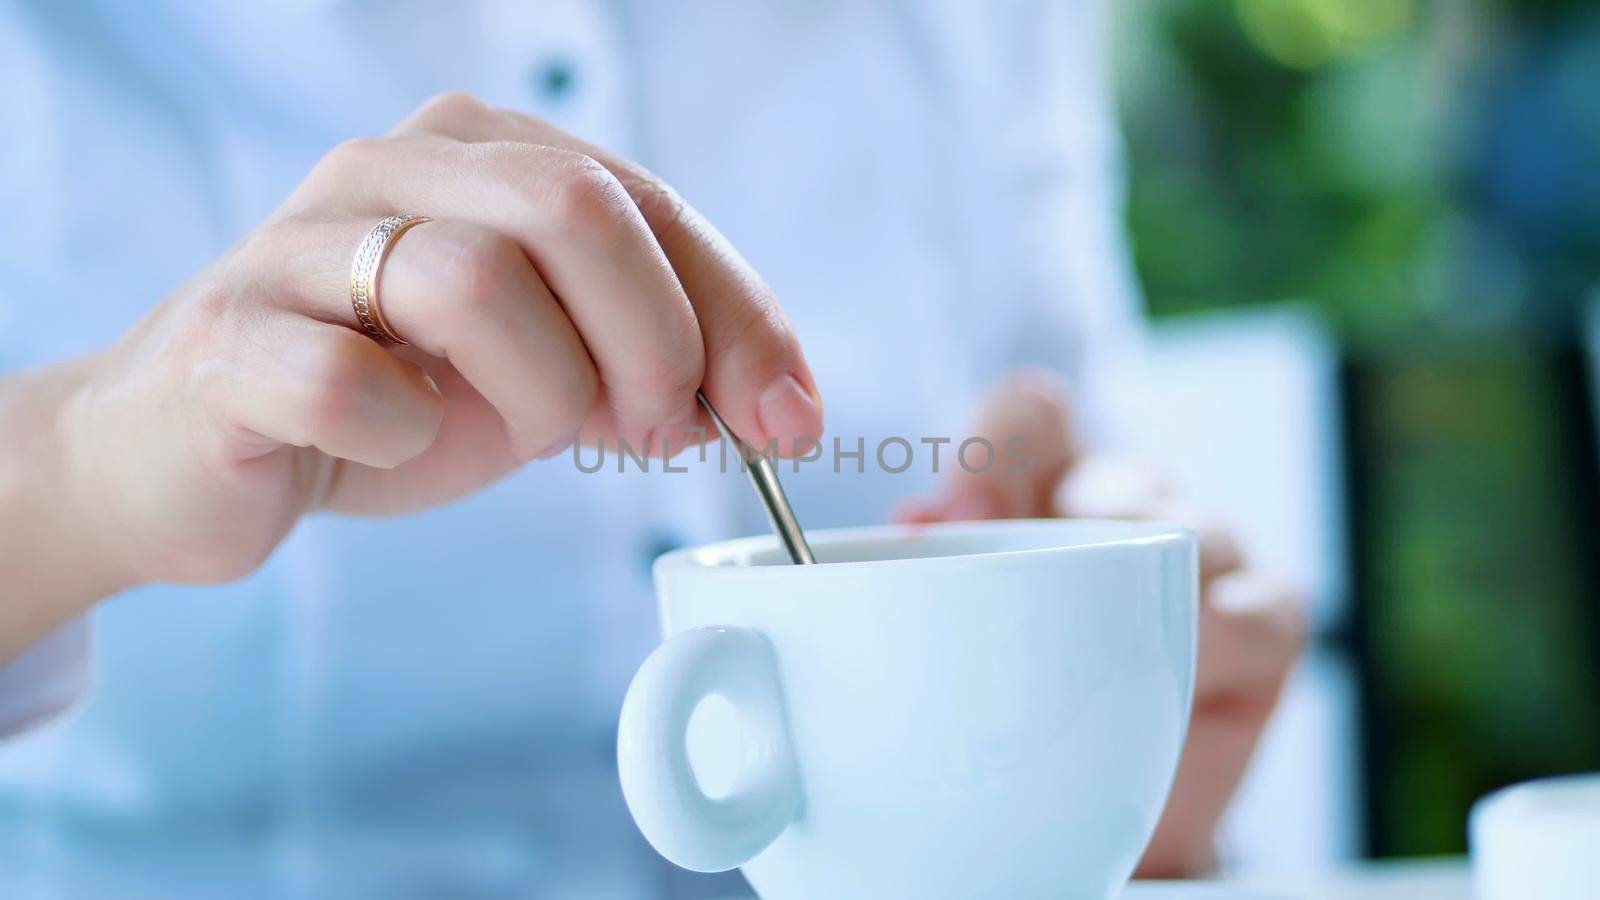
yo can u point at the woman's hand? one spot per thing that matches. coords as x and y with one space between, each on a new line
1250 625
559 293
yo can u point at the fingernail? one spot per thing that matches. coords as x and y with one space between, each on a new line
1239 593
1110 488
787 411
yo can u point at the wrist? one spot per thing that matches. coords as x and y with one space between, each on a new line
85 516
57 559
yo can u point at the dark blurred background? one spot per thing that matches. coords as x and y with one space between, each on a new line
1424 177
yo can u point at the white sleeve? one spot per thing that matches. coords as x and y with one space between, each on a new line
46 680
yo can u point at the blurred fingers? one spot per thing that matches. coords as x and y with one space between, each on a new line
1250 633
1107 487
1027 419
1252 628
1219 548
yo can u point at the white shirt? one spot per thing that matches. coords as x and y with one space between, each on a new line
930 188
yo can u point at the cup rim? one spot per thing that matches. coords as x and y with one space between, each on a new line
732 555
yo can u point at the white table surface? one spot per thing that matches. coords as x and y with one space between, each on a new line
1432 879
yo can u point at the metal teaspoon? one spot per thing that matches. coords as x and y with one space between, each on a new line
764 475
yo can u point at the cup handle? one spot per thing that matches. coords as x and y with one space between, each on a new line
685 825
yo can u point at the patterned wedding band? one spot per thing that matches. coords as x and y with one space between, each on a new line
364 274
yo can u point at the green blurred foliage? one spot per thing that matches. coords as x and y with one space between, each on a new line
1479 630
1428 176
1405 166
1283 149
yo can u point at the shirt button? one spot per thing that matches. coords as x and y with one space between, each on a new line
554 79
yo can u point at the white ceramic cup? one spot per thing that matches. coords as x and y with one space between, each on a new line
968 710
1539 840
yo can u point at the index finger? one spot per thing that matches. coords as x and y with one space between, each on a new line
755 372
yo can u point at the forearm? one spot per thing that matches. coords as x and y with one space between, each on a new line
51 567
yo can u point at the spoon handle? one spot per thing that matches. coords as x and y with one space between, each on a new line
763 472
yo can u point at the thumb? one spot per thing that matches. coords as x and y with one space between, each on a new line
1027 422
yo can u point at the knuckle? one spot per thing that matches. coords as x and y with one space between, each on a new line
757 339
744 325
585 197
208 304
663 208
339 167
483 266
349 156
449 106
